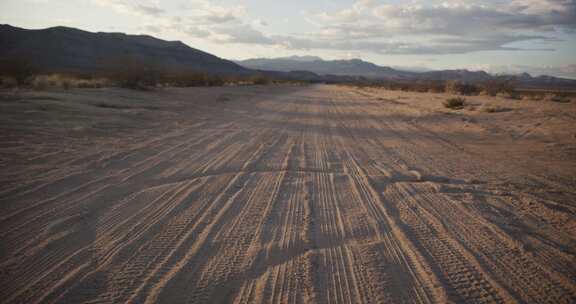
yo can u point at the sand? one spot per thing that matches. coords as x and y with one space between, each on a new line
285 194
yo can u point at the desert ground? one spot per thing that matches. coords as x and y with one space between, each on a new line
285 194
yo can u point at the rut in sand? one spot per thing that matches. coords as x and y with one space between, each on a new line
317 194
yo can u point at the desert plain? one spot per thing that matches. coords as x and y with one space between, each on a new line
285 194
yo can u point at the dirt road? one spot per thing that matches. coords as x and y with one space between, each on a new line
317 194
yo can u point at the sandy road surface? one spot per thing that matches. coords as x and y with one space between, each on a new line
316 194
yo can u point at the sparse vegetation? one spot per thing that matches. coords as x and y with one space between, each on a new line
131 75
496 86
16 72
490 88
533 97
134 74
455 103
62 81
7 82
183 79
461 88
557 98
508 95
260 80
491 108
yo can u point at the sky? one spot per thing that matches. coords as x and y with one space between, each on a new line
498 36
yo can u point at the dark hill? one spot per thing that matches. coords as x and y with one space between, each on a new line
63 49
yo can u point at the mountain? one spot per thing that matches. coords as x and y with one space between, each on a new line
360 68
63 49
353 67
465 75
543 81
303 58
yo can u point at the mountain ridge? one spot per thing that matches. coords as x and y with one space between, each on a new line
352 67
67 49
361 68
73 50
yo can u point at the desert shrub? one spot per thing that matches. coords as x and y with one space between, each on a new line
461 88
424 86
128 79
62 81
20 70
7 82
260 80
191 79
452 86
91 83
508 95
41 82
214 81
454 103
497 86
532 97
184 79
434 86
133 73
556 98
489 108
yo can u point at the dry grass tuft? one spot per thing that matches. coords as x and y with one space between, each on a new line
61 81
490 108
455 103
557 98
461 88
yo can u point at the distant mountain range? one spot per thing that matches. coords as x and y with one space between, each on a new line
64 49
360 68
354 67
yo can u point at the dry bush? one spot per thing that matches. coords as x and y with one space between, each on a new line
490 108
137 78
133 73
455 103
435 86
7 82
189 79
461 88
508 95
260 80
532 97
497 86
556 98
63 81
214 81
429 86
424 86
17 71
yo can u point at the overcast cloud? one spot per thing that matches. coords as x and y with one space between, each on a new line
446 27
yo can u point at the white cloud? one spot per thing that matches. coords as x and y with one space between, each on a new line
444 27
138 8
198 18
415 27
